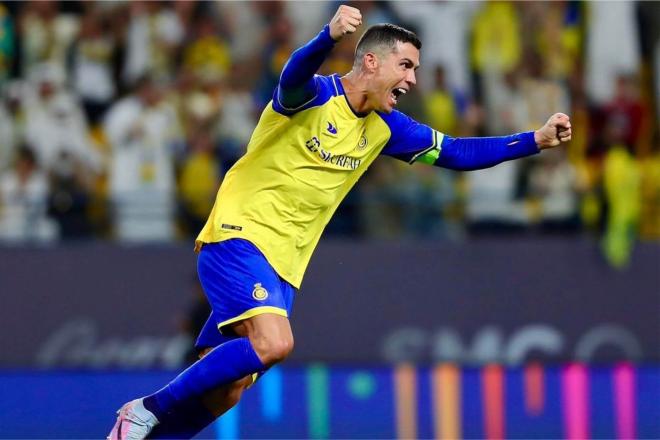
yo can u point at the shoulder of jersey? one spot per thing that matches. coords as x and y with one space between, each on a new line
326 88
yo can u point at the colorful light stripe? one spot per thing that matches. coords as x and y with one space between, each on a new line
317 398
405 391
493 399
271 394
446 379
575 398
228 426
534 380
624 401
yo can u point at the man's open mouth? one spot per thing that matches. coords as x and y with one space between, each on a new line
396 93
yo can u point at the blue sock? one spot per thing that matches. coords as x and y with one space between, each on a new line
226 363
188 419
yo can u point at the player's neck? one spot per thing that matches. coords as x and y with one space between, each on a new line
355 89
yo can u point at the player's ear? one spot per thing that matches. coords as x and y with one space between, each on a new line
370 61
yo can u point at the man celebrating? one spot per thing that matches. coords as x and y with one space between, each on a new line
313 142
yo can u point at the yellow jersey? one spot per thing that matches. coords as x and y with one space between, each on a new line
300 163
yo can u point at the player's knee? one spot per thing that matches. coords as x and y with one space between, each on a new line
271 337
273 350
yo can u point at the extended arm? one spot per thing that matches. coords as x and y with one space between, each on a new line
485 152
297 84
476 153
415 142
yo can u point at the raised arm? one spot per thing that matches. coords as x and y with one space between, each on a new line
297 84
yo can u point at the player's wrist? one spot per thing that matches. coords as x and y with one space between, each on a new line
327 33
541 139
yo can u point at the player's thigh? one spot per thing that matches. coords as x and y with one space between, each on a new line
265 326
240 284
270 336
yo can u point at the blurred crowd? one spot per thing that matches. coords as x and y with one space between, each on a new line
119 119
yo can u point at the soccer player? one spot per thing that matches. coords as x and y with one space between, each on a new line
313 142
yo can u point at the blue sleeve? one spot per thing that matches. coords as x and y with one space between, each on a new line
409 139
477 153
412 142
297 84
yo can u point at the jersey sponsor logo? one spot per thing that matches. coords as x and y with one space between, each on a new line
232 227
259 292
341 160
331 128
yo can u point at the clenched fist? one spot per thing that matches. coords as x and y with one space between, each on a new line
345 21
554 132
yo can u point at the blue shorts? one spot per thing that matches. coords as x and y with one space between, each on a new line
239 284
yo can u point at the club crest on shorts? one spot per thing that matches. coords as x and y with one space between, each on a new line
259 293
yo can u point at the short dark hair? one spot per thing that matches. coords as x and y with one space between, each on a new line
385 35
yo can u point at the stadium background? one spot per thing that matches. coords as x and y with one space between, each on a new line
521 301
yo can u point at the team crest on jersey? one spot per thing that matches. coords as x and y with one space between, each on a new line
259 293
362 144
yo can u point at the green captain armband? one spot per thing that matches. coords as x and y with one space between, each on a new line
430 156
432 153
